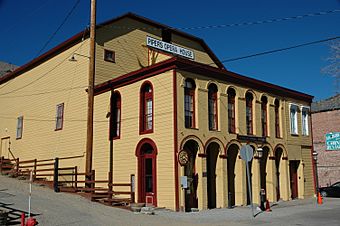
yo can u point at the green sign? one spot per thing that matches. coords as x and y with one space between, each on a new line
333 141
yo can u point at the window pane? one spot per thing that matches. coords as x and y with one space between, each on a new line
148 114
59 116
148 175
19 127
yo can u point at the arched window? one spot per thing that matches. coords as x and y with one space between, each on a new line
189 103
231 110
115 115
146 108
249 113
212 106
264 123
277 118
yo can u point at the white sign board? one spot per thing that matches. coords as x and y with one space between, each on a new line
184 181
170 48
246 153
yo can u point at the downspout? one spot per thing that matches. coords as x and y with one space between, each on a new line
175 138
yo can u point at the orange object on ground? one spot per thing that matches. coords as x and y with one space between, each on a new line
319 198
31 222
268 206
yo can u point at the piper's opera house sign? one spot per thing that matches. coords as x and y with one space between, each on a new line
170 48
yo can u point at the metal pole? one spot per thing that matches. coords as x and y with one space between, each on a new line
250 190
316 176
89 140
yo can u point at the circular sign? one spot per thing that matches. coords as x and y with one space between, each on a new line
246 153
183 158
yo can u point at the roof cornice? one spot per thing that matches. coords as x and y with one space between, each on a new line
85 34
202 69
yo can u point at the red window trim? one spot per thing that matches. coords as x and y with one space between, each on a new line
190 92
113 121
212 95
277 120
62 117
264 119
231 115
142 109
249 105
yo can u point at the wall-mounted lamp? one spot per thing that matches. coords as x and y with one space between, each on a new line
315 155
73 59
260 152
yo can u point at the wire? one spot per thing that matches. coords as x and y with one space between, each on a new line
43 75
60 26
321 13
46 92
280 50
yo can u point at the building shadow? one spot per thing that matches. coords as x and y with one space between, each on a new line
14 214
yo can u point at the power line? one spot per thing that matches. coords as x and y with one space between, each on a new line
43 75
280 50
322 13
60 26
45 92
267 21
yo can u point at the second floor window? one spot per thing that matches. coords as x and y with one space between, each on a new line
146 117
293 119
277 118
264 116
20 125
59 117
115 115
189 103
249 113
231 110
212 106
305 129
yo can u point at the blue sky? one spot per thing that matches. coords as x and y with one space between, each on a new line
27 25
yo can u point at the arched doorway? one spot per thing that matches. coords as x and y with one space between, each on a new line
278 156
146 152
212 154
191 200
232 154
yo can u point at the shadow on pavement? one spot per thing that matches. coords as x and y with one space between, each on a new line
14 215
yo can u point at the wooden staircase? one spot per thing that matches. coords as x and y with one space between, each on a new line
6 166
96 190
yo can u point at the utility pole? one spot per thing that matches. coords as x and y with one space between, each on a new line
90 102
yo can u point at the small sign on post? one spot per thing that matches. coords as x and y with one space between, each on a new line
247 154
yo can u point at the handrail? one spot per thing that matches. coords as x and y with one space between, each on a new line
9 149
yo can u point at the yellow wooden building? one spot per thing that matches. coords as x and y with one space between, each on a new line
167 111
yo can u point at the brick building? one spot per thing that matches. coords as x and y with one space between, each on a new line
326 119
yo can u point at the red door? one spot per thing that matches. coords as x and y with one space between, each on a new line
148 178
293 169
147 175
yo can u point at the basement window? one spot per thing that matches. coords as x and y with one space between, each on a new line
109 56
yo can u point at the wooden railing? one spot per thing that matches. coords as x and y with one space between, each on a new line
69 179
103 190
